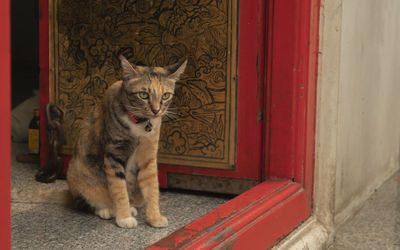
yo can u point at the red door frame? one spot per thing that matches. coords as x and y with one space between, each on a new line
5 135
259 217
292 75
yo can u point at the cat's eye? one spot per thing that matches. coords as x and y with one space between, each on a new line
166 96
143 95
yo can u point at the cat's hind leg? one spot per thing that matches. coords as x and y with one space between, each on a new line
105 213
92 192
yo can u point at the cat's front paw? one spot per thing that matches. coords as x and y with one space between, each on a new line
129 222
158 222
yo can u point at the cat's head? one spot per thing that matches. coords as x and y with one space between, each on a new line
148 91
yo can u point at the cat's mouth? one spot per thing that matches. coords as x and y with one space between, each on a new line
151 115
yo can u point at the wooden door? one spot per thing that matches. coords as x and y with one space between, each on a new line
218 128
266 213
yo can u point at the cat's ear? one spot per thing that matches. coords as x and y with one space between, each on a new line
128 70
176 70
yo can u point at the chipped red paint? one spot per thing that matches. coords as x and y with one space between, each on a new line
312 48
5 136
293 43
252 220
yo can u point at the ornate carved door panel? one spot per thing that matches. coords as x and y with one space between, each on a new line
218 127
88 36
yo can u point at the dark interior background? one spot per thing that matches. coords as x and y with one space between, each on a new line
24 49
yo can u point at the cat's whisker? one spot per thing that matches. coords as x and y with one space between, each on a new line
172 110
172 113
171 116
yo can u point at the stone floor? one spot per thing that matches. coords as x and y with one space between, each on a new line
42 219
377 224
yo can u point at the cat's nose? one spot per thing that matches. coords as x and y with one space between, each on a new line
155 111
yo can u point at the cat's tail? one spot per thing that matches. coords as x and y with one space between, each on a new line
61 197
55 196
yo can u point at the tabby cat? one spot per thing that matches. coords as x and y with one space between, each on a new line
114 164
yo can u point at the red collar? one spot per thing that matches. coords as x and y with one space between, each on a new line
132 117
136 119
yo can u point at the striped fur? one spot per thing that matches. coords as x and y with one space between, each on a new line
114 165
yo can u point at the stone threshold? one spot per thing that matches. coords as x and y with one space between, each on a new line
311 235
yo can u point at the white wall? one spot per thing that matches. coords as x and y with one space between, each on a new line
368 124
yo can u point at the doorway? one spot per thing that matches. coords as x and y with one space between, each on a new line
24 49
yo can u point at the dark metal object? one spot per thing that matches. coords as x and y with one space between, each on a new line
28 158
56 138
148 127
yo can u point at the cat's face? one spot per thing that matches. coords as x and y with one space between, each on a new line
148 91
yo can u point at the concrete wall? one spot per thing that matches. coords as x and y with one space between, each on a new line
368 125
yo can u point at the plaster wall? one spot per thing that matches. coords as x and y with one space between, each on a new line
368 123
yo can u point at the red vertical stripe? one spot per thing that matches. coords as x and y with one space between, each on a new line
292 78
5 136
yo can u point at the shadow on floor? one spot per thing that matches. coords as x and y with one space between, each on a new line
377 224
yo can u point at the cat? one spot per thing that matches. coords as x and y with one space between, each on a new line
114 164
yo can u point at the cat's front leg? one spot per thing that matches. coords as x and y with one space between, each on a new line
148 183
135 194
118 193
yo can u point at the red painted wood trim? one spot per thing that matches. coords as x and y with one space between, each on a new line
262 95
292 58
251 68
5 129
292 71
310 123
254 220
44 75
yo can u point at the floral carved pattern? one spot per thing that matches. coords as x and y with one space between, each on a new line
88 36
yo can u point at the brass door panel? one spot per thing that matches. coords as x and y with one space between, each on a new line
88 36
